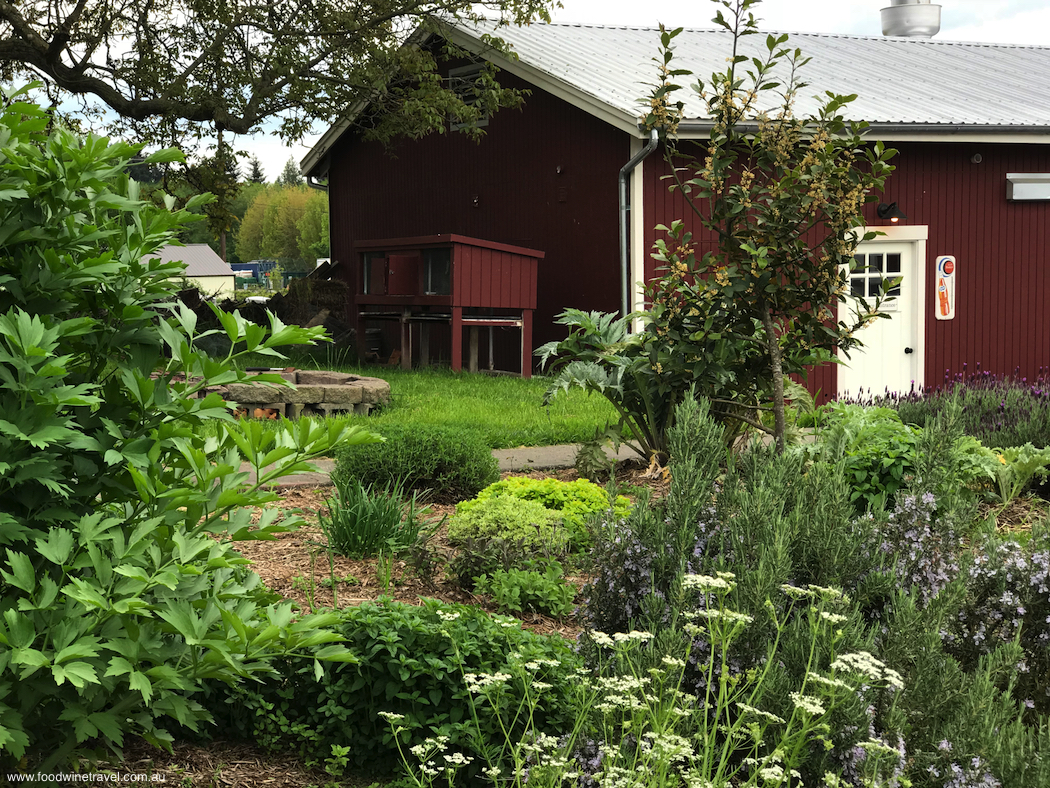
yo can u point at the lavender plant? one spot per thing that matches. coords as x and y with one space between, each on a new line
997 409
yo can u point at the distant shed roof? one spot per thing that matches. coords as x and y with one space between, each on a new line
200 259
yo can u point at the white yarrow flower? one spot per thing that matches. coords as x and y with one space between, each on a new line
707 583
834 618
808 704
759 713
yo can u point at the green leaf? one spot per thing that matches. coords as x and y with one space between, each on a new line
85 647
78 674
58 546
141 683
21 575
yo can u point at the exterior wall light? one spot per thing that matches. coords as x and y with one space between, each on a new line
890 211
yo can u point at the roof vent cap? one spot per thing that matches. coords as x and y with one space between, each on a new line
911 19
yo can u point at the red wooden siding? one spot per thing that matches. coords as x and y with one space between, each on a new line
1002 321
507 188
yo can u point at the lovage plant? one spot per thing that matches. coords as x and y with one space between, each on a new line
116 599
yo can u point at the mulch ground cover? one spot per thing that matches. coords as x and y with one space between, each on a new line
296 566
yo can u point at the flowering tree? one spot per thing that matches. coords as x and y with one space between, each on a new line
780 197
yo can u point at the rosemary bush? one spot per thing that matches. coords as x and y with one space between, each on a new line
777 521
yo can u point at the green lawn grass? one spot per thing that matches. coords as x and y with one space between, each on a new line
505 412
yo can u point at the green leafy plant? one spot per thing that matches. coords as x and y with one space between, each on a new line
524 590
749 284
575 502
411 662
1015 467
363 522
591 461
116 598
876 448
509 518
484 556
448 463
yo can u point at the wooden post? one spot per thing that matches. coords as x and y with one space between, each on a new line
406 339
526 343
457 338
473 348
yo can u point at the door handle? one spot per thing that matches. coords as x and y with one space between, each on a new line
908 350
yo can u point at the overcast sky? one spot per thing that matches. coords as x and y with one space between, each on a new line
998 21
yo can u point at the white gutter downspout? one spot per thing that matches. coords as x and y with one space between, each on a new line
625 207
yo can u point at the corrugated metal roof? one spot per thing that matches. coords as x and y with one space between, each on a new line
200 259
897 80
906 88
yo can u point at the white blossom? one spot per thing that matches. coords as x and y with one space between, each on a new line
479 682
826 681
457 759
759 713
808 703
707 583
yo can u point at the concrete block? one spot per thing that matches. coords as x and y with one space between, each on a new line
328 408
253 406
313 377
304 394
374 390
258 393
342 395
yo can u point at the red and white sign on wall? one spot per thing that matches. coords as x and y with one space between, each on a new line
944 287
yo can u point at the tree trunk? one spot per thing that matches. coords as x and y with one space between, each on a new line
777 368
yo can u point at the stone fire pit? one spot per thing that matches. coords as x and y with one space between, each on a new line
317 393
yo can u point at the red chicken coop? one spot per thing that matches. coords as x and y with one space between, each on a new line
408 286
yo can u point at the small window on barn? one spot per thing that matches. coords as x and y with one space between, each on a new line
463 81
437 271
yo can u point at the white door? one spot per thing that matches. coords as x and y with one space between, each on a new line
889 360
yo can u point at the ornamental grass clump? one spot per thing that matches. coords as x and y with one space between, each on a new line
363 521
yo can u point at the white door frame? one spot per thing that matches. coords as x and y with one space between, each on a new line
916 236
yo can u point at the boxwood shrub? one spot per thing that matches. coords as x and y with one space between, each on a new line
451 464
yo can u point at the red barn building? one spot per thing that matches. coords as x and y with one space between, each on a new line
971 123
